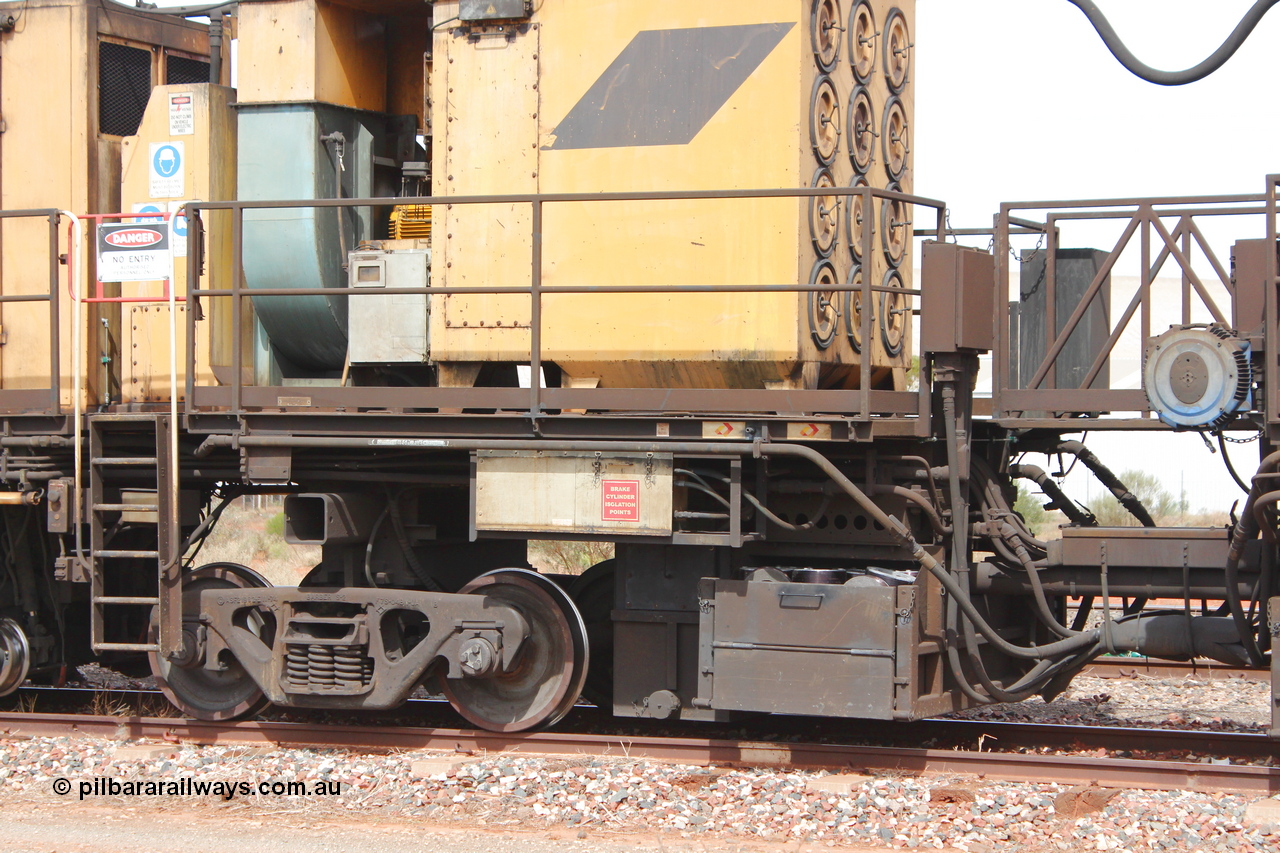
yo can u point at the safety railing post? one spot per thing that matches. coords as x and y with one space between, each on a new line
55 327
1269 302
195 254
868 305
237 333
535 317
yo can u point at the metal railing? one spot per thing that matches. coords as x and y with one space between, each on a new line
1148 220
535 402
1271 387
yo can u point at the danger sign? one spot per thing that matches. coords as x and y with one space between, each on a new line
182 114
133 252
620 500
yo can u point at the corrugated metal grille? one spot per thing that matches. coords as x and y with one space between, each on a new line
124 84
180 71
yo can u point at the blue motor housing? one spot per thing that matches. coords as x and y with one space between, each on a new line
1198 377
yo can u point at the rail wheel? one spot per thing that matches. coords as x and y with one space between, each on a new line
592 591
550 668
210 694
15 656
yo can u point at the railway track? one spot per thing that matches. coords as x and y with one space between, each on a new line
995 756
966 734
1122 667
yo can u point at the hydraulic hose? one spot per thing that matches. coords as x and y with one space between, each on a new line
1127 499
1247 528
1211 64
1059 499
956 589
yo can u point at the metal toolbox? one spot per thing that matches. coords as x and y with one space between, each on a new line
798 648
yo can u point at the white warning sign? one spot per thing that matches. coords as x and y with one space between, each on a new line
134 252
178 229
182 114
148 207
168 170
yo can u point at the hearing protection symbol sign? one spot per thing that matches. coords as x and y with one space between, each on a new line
167 170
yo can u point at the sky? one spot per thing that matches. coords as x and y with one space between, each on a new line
1020 99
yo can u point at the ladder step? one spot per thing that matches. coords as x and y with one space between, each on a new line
126 647
126 508
124 460
126 599
129 554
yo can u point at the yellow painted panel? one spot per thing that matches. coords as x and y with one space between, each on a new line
47 154
209 175
690 340
714 133
351 60
277 51
491 149
307 50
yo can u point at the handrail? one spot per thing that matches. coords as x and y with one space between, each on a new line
1143 218
535 289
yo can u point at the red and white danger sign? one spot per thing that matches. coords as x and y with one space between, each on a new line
134 251
620 500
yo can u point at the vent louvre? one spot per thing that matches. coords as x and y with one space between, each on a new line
181 71
124 85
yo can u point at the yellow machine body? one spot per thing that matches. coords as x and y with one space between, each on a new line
58 149
199 119
525 108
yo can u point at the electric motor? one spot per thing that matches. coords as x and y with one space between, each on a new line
1197 377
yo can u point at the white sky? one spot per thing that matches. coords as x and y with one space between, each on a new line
1020 100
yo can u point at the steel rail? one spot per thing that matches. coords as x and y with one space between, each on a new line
1003 766
1202 669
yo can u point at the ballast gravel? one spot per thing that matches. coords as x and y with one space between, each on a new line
620 796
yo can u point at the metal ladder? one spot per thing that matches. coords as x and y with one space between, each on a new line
101 513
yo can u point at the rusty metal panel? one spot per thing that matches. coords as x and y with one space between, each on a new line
957 298
1074 271
1141 547
267 464
801 648
804 615
573 492
803 683
1249 280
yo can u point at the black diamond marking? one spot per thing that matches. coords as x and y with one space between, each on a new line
666 85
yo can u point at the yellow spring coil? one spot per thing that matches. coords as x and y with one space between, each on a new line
411 222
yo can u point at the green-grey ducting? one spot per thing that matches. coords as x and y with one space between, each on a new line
283 154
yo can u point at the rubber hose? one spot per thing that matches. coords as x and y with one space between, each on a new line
1246 528
1127 499
1214 61
1059 499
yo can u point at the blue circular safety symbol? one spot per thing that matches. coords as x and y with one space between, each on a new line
149 208
167 161
179 225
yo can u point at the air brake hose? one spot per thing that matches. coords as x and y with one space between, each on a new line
1173 78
